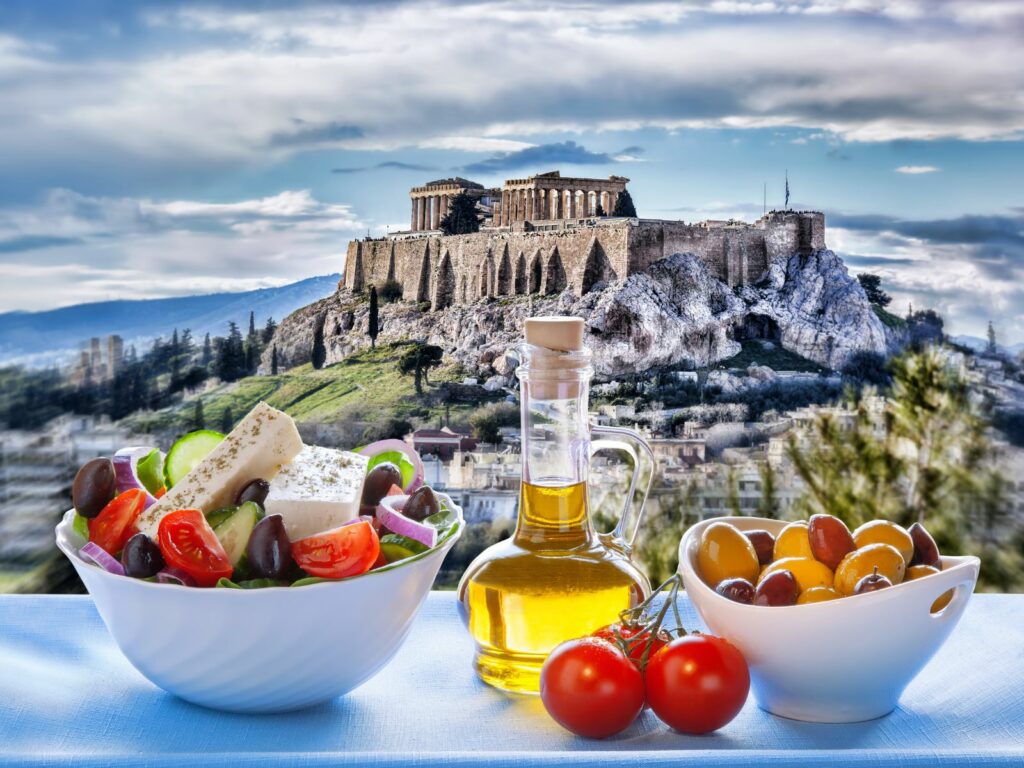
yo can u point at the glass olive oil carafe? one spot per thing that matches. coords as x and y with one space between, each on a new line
555 578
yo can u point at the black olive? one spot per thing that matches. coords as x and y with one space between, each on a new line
269 550
256 490
422 504
378 482
94 487
141 557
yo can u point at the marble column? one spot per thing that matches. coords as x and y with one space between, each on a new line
444 208
435 203
419 214
613 198
535 198
559 204
412 221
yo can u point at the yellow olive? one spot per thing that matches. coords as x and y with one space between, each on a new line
725 553
817 595
807 571
919 572
862 562
792 541
885 532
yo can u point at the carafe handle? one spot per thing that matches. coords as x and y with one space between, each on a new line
630 443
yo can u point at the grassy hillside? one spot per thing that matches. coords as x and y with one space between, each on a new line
777 358
363 389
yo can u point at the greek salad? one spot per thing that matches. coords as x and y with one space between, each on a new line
257 508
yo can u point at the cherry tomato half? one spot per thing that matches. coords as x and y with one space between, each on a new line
636 639
346 551
697 683
590 687
115 523
188 542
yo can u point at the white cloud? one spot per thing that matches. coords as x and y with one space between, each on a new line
84 248
468 76
917 169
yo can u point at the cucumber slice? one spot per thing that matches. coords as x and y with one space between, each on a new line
234 532
187 452
150 471
396 547
218 516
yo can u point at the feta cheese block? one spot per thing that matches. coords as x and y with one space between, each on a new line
264 441
319 490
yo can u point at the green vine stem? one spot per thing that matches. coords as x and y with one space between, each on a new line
645 621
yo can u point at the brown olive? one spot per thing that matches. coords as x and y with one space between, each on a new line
764 545
94 487
378 482
255 490
777 588
269 550
141 557
926 551
737 590
872 583
422 504
830 539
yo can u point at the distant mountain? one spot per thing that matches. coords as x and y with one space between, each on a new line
979 344
39 339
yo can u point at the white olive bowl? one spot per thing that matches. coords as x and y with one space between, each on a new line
260 650
839 661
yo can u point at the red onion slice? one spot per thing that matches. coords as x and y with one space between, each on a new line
172 575
390 516
97 555
387 446
126 477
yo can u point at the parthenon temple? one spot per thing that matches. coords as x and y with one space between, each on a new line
548 233
543 197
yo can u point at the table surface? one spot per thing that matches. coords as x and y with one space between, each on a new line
68 696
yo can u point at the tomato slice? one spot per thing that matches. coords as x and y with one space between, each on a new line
115 523
188 542
346 551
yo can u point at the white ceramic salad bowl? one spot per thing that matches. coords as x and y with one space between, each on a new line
838 661
261 650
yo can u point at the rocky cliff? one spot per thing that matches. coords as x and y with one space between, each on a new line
675 315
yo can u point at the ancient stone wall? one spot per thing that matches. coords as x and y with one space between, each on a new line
460 269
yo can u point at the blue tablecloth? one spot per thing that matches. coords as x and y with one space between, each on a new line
68 697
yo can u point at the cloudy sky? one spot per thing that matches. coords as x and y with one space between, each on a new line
153 149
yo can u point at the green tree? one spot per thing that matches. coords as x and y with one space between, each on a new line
198 419
391 291
418 361
991 346
268 331
920 454
599 211
624 205
462 217
273 361
373 324
207 355
872 285
227 420
768 504
230 362
252 324
319 354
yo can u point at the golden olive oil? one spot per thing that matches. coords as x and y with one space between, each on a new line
554 580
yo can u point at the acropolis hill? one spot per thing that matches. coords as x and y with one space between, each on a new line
543 234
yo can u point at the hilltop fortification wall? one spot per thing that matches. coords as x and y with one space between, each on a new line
503 261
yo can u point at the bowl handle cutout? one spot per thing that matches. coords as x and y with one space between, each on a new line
961 591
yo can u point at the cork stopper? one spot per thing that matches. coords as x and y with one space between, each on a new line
559 334
557 359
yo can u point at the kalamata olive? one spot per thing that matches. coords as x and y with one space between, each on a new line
737 590
764 545
141 557
256 490
830 539
926 551
269 550
378 482
872 583
778 588
94 487
422 504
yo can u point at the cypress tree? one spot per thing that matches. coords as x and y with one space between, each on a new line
207 357
624 205
198 419
252 324
273 361
319 353
374 322
461 218
227 420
